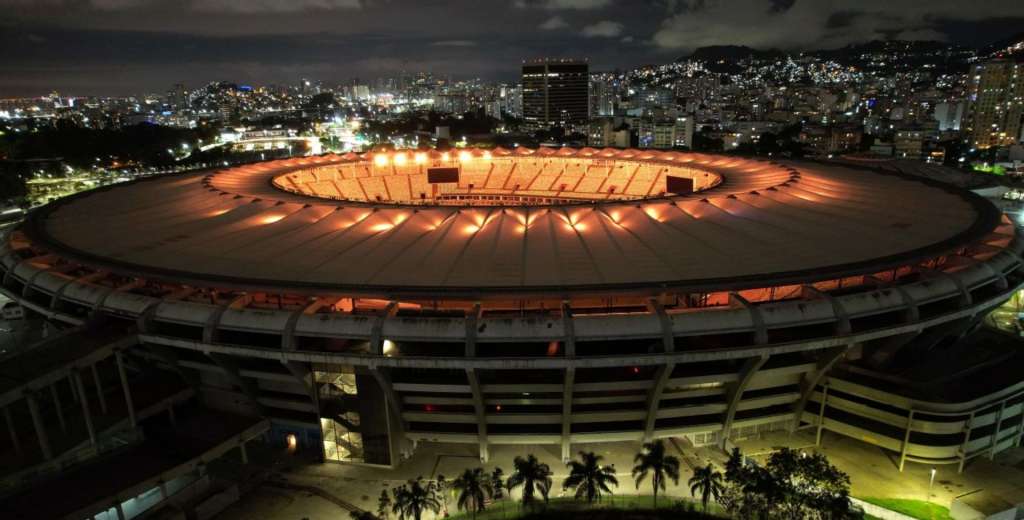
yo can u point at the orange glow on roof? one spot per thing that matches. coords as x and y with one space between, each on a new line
465 156
380 159
270 219
380 228
400 159
420 158
218 213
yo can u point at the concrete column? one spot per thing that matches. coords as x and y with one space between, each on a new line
481 413
99 388
37 422
74 390
963 445
661 377
57 406
1020 429
995 432
906 440
120 511
567 390
172 416
821 414
11 432
163 490
124 385
245 454
86 413
735 394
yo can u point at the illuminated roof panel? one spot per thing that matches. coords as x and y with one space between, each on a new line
754 224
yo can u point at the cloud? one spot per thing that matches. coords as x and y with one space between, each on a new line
555 22
564 5
786 24
603 29
454 43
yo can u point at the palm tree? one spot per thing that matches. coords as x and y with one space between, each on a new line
652 460
362 515
708 482
498 484
589 477
474 488
401 499
533 476
441 486
413 499
383 505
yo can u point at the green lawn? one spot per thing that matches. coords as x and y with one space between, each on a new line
508 510
915 508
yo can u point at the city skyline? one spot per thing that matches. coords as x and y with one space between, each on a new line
104 47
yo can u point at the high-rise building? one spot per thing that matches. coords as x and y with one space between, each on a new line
178 96
556 93
996 104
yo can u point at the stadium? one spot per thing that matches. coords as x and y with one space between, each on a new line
363 304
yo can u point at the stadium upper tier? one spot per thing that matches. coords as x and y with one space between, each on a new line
523 222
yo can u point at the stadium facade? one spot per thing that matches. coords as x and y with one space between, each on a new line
366 303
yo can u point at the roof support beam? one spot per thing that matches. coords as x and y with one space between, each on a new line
667 339
288 335
906 439
735 392
842 318
760 331
83 399
568 378
471 329
210 328
394 403
481 413
910 313
661 378
377 332
37 423
231 370
810 380
122 373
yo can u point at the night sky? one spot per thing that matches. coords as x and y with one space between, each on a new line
117 47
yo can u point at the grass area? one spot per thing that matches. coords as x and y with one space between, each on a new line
915 508
565 507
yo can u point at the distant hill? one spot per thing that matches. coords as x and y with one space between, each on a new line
1001 45
715 53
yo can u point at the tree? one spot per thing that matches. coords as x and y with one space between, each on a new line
589 478
362 515
474 487
401 498
441 486
413 498
652 460
791 485
533 475
708 482
384 505
498 484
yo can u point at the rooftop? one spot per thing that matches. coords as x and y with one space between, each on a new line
755 224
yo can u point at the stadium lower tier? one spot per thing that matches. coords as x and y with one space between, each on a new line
365 385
